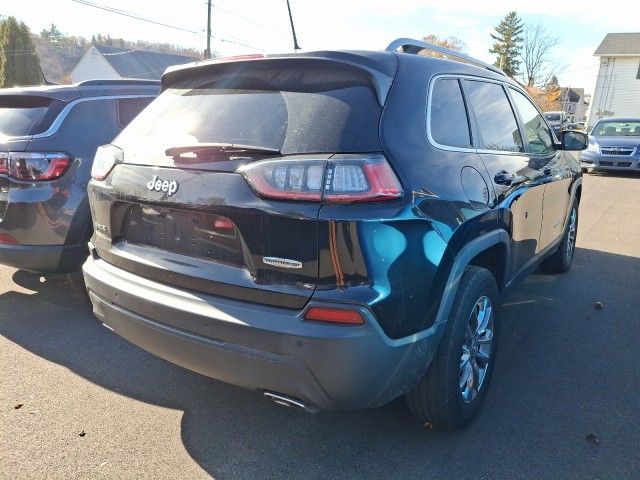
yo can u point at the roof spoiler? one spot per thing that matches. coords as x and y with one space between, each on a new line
380 70
411 46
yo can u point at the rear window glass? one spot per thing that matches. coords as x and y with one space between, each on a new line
303 110
20 116
448 122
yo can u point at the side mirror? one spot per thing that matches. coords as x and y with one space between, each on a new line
573 140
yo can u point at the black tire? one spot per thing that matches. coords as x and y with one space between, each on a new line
560 261
585 170
438 398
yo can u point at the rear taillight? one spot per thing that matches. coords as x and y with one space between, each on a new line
347 180
7 239
34 166
4 163
107 157
334 315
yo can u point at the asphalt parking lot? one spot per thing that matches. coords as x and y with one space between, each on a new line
564 401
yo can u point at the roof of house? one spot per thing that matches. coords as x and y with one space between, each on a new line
140 63
575 94
619 44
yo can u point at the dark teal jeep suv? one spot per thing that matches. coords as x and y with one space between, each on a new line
334 229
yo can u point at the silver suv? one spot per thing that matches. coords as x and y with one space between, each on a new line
557 120
614 144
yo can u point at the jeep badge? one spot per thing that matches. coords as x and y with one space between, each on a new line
165 186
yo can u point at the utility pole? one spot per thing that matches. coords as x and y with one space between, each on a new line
207 52
293 29
567 94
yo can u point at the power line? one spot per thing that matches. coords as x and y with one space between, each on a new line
248 20
143 19
226 40
131 15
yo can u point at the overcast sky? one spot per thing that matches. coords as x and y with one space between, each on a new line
331 24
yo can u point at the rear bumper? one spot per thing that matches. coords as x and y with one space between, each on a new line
328 367
44 258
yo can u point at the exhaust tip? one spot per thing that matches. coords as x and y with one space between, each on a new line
287 401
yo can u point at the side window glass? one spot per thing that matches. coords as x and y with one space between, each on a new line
538 135
448 120
495 120
129 108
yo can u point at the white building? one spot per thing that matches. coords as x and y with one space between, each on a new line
617 90
110 63
575 103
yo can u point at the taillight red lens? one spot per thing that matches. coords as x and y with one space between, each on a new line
346 180
7 239
366 180
4 163
34 166
223 223
334 315
287 179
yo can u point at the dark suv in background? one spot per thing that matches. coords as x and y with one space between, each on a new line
48 138
334 229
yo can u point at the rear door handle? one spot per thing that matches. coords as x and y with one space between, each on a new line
504 178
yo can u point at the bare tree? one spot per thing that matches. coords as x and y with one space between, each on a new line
451 42
536 58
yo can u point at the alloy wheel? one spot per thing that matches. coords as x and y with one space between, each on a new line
571 233
476 349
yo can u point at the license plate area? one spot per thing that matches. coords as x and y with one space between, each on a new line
204 235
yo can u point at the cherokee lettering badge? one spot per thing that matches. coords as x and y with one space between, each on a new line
166 186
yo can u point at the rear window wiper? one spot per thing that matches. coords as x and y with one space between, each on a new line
221 147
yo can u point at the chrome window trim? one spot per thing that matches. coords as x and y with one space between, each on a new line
55 125
448 148
432 83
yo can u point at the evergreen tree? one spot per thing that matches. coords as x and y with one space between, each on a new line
21 66
508 43
54 35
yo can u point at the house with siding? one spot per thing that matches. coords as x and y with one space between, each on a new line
110 63
575 103
617 91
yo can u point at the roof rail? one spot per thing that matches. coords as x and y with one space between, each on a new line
408 45
122 81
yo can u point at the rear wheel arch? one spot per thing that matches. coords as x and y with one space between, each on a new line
494 259
477 252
